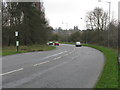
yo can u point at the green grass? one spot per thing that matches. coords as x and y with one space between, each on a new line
119 77
109 76
67 42
23 49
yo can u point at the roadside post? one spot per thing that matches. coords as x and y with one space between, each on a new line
17 40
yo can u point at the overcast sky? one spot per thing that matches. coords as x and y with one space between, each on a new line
61 13
119 11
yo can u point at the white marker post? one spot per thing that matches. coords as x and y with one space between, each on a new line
17 42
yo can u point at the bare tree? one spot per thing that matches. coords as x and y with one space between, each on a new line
98 19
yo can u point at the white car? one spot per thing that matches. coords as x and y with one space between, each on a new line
78 44
50 43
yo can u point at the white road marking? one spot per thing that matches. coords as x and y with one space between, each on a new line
11 71
57 58
70 52
34 65
75 57
41 63
54 54
73 50
65 54
58 53
49 57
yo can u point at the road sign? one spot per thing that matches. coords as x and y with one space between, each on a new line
17 43
16 33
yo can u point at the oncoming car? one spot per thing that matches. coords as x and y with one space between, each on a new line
78 44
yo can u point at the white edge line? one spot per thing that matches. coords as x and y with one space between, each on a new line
11 71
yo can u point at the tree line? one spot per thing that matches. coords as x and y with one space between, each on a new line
99 30
28 18
102 30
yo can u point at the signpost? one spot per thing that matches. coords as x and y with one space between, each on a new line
17 41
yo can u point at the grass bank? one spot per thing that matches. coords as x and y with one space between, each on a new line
109 76
67 42
23 49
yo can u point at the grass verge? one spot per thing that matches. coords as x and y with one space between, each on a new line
67 43
23 49
109 76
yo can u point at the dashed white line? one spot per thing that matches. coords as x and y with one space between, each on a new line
65 54
54 55
57 58
49 57
34 64
41 63
75 57
11 71
70 52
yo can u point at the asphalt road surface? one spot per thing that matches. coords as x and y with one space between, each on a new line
66 67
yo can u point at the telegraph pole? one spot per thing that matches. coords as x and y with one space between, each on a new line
109 19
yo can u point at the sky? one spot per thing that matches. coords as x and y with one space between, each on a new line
70 13
119 11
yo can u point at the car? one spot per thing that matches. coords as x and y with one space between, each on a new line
50 43
56 43
78 44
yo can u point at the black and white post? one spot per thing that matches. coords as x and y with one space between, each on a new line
17 40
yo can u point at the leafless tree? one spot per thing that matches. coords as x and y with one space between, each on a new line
97 19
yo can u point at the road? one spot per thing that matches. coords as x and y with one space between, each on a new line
66 67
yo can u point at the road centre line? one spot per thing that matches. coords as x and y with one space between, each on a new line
65 54
54 54
57 58
48 57
41 63
75 57
11 71
34 65
58 53
70 52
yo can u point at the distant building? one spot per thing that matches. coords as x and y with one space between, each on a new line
66 32
76 28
